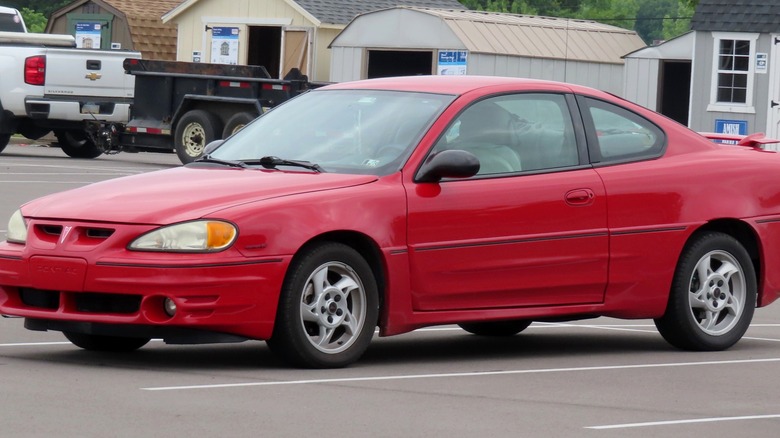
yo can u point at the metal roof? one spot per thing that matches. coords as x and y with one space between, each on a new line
538 37
337 12
737 16
343 11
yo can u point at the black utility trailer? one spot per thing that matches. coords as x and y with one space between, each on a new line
183 106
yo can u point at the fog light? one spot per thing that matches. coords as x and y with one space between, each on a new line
169 306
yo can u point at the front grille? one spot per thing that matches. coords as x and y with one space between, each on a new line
44 299
107 303
85 302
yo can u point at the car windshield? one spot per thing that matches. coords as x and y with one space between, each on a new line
343 131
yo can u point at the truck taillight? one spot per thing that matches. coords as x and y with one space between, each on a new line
35 70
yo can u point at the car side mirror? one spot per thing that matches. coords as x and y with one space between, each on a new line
211 147
453 163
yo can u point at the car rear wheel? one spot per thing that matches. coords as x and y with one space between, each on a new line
194 131
713 295
76 144
105 343
496 328
328 308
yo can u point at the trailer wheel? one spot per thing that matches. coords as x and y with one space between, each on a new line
236 123
195 130
76 144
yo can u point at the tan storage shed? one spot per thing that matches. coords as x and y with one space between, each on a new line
277 34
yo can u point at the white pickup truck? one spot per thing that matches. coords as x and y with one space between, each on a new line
47 84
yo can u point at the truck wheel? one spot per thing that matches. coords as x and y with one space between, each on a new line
4 139
195 130
76 144
236 123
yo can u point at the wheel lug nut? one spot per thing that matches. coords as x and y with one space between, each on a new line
337 298
327 296
722 296
323 309
330 319
720 283
339 312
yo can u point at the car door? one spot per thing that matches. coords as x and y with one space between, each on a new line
528 230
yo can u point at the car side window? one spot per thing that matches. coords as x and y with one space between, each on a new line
621 135
515 133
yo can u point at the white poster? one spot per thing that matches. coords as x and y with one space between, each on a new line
452 62
88 35
224 45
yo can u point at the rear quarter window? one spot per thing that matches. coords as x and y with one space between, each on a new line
616 134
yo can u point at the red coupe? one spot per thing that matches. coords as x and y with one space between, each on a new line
407 202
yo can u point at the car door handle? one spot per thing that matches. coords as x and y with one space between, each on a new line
580 197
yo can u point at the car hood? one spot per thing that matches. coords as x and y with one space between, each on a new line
181 194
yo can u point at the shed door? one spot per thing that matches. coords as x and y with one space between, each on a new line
296 51
773 122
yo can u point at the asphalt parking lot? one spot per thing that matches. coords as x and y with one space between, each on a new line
593 378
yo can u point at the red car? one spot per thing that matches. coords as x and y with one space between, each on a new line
407 202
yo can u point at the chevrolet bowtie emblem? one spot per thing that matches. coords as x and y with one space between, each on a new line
93 76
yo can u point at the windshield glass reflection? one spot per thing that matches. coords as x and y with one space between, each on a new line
347 131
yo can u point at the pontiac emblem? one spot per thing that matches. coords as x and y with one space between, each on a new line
93 76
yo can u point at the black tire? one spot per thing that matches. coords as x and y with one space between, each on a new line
76 144
710 314
496 328
343 312
4 140
194 131
236 123
105 343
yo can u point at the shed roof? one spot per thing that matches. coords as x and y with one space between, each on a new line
737 16
534 36
339 12
153 38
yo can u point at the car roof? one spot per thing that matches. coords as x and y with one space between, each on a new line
456 84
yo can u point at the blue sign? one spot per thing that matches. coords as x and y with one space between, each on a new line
228 33
452 62
736 127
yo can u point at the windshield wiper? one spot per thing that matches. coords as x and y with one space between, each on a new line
210 159
270 162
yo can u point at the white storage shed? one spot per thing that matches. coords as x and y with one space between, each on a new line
659 77
412 40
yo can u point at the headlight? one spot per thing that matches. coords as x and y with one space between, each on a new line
17 228
197 236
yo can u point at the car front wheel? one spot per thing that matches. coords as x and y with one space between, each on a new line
328 308
713 295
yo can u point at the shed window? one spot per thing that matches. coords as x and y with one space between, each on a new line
732 73
733 68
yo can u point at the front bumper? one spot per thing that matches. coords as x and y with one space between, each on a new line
74 284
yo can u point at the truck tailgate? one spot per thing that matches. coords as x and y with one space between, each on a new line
85 72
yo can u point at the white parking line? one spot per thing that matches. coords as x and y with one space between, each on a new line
690 421
33 344
458 375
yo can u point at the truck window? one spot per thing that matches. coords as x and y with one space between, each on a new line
11 21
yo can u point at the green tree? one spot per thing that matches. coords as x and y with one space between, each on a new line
35 21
